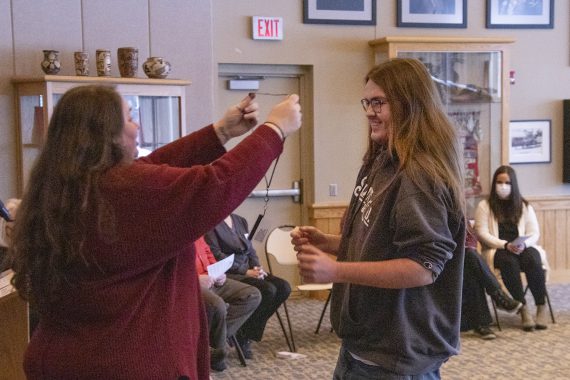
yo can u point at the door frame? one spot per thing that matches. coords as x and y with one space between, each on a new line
304 74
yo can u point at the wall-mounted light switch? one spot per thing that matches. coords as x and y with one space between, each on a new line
333 189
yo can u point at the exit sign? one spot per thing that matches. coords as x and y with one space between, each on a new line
267 28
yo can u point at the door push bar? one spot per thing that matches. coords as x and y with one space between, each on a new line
295 192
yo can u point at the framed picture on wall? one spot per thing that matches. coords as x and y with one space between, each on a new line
529 141
353 12
432 14
520 14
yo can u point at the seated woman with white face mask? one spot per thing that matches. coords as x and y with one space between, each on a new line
508 230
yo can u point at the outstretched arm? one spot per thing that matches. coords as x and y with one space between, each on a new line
310 235
315 266
238 119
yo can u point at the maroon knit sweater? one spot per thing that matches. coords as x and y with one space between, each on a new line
139 314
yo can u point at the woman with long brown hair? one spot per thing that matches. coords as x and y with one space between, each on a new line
99 248
499 220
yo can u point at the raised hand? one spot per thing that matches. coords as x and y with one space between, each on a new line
238 119
286 115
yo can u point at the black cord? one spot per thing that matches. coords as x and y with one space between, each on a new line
267 183
266 200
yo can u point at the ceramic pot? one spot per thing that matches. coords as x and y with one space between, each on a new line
128 61
103 61
51 64
81 59
156 67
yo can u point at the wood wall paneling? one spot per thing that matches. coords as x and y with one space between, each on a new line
13 336
553 215
327 216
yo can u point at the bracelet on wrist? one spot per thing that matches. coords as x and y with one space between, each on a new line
272 124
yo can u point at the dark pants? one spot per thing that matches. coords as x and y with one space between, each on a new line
274 291
349 368
477 279
511 266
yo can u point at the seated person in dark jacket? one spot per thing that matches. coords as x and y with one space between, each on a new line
229 304
230 236
478 279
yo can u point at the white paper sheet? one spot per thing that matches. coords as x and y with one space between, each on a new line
520 240
221 267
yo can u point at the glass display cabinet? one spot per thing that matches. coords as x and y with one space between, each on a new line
471 75
158 105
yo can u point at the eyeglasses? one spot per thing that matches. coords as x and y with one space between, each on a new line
375 103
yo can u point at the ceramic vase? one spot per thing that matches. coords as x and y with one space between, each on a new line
156 67
51 64
128 58
81 59
103 61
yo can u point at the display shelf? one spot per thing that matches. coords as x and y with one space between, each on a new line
158 105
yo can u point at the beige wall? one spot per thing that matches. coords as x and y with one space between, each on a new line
197 35
340 57
179 30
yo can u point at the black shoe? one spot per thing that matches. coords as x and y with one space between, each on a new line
485 333
245 345
506 303
218 360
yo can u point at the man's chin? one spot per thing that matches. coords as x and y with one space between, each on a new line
379 138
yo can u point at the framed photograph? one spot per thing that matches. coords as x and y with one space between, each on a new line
520 14
432 14
529 141
351 12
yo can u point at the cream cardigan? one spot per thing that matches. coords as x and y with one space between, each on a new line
487 229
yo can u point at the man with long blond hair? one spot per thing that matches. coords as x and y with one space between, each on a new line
396 298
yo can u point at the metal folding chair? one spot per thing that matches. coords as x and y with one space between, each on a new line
278 245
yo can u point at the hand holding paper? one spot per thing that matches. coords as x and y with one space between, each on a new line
219 281
517 245
520 241
218 269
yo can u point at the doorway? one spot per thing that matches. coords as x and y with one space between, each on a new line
293 169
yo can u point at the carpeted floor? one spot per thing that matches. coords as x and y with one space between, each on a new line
514 355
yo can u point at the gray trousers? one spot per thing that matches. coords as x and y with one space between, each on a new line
228 307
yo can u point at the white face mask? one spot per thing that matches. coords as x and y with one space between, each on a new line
503 190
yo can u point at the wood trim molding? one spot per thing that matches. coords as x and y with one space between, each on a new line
553 213
327 216
444 40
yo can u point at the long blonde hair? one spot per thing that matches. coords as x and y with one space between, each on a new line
420 135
